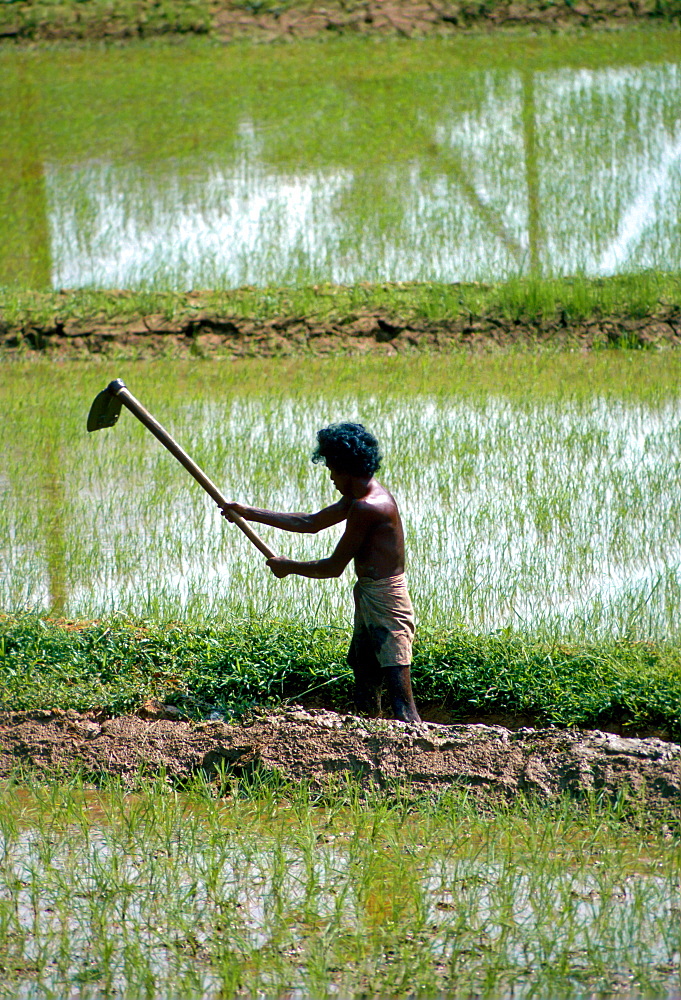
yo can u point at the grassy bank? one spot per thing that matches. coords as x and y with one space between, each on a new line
521 299
116 665
48 20
274 891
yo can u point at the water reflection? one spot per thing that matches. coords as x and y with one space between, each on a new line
552 172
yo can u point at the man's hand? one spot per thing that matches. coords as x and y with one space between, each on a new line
233 508
280 567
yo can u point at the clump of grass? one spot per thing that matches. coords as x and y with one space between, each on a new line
268 888
114 666
55 19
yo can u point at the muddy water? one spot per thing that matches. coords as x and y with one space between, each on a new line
430 164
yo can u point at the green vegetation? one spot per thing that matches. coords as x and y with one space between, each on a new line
92 19
450 159
274 890
538 491
527 299
115 665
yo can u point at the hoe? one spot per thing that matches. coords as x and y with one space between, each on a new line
105 411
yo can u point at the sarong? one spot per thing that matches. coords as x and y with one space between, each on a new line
384 623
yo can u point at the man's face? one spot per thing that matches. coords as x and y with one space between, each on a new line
341 480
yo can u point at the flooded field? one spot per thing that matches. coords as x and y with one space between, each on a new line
441 160
273 893
538 494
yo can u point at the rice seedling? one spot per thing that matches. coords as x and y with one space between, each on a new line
442 161
540 497
273 890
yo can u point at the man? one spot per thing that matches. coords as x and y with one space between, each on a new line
380 651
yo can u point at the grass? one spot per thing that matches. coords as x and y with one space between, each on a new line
115 666
522 299
121 19
269 889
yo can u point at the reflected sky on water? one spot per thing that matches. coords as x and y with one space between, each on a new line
556 172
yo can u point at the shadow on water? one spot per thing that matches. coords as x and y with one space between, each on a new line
53 514
532 171
25 258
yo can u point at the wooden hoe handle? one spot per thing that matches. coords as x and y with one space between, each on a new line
118 388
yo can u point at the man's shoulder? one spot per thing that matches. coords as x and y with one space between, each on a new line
377 505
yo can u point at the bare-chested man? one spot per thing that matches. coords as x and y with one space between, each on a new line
380 651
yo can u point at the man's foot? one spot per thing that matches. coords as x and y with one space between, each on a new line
401 696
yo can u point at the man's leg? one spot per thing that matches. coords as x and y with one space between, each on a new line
367 693
368 675
398 679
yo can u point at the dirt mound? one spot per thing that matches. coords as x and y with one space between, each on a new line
366 331
490 761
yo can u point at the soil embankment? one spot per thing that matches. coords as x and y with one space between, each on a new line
488 761
272 20
365 331
418 18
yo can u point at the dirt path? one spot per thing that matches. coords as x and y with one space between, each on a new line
206 334
487 760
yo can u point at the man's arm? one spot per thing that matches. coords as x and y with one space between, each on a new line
360 519
302 523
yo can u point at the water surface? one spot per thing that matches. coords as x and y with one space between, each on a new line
441 161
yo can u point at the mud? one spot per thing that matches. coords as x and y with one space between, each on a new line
280 20
491 762
206 334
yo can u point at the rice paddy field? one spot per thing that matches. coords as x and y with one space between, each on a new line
539 492
208 166
269 891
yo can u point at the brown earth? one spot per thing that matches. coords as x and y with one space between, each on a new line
265 21
491 762
208 334
271 20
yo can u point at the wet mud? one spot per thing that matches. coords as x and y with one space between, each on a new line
320 746
207 334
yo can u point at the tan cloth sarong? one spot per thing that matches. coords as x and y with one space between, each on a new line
384 621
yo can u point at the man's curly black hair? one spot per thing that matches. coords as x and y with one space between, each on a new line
348 448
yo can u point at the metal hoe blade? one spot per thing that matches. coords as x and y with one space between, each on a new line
104 411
